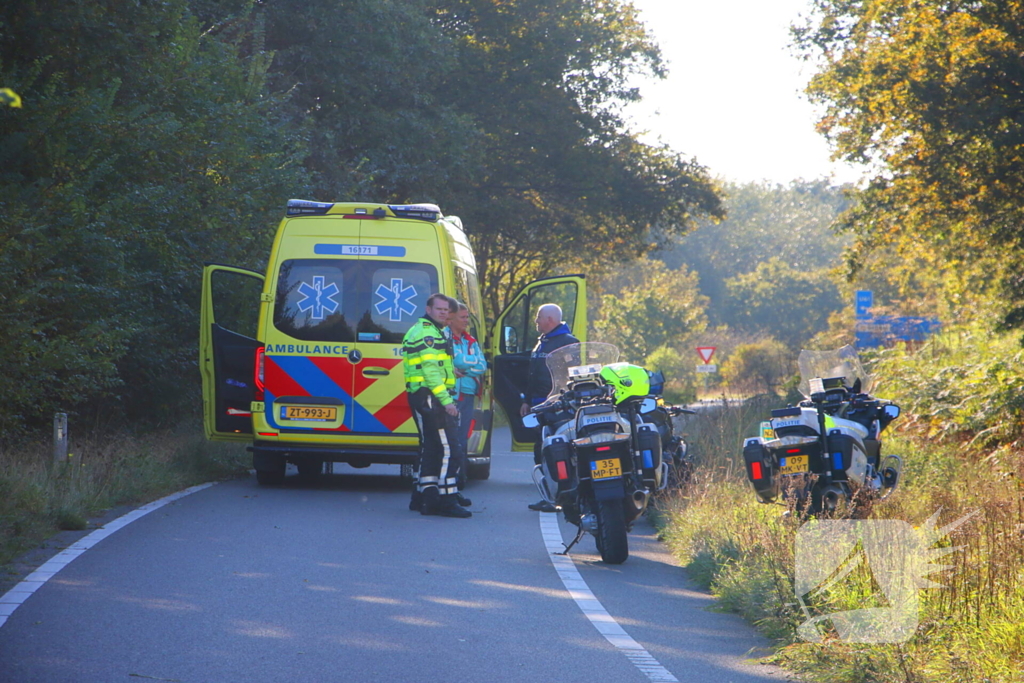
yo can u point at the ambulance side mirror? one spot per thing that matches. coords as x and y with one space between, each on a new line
511 339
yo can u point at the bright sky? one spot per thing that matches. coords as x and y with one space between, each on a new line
733 98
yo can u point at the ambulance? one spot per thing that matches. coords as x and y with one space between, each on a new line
304 361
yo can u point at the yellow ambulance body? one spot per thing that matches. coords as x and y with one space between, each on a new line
316 376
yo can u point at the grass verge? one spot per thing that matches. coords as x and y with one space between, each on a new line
971 629
39 498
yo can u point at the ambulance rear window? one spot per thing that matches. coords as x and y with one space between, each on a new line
347 300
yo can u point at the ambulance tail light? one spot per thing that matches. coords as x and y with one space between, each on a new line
258 374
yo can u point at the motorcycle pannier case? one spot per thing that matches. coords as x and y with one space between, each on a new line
556 454
760 470
649 443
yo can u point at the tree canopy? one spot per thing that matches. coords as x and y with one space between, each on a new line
156 136
930 96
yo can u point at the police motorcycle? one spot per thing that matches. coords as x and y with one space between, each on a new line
601 458
824 454
675 450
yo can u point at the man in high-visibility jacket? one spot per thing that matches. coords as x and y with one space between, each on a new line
430 385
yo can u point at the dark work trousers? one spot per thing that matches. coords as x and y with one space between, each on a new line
439 438
466 406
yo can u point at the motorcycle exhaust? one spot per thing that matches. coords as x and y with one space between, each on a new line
640 498
831 498
589 523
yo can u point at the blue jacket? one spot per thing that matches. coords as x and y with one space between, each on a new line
470 360
538 385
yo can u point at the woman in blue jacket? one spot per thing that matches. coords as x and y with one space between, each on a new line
469 366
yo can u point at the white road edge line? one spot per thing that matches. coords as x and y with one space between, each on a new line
592 607
13 598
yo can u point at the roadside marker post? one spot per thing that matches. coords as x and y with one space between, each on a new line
60 438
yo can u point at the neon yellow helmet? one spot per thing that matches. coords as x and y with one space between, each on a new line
628 380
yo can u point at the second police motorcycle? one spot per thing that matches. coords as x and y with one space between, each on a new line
825 453
602 434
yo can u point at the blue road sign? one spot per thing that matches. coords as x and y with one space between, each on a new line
864 301
884 330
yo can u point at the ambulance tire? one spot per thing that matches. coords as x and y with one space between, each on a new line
270 477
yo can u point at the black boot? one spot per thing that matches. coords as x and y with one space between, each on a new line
446 506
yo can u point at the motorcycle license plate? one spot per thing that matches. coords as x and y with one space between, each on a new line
309 413
606 469
794 464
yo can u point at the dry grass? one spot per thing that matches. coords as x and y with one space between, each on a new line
971 629
39 498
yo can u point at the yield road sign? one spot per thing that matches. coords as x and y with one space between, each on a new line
705 352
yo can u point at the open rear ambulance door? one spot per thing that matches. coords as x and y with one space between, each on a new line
515 334
227 358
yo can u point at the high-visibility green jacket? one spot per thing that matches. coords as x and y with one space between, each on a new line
427 361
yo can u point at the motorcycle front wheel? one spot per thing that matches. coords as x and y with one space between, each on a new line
611 532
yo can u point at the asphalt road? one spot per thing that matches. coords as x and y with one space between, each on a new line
339 581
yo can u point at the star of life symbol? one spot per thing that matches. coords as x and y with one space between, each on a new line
317 298
395 300
899 558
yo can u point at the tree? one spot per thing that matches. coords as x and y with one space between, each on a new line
789 222
650 307
928 95
766 363
563 182
790 304
146 146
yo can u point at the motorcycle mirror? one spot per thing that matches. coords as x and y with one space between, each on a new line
891 410
648 404
530 420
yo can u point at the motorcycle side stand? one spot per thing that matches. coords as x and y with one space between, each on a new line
579 535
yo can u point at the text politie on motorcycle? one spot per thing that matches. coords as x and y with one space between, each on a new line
554 334
430 384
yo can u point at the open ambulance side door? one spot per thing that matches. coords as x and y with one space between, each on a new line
515 334
231 301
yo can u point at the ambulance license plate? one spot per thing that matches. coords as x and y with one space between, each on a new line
794 464
606 469
309 413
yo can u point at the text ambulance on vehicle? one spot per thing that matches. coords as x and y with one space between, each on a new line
305 361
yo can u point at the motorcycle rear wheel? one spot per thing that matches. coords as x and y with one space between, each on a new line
611 532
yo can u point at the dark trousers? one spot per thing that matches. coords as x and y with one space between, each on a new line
466 405
439 460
